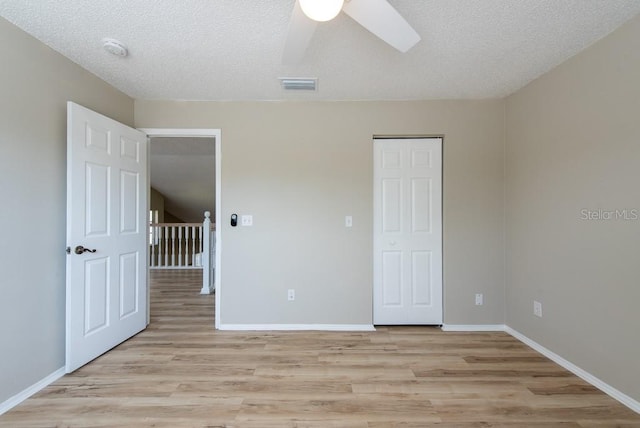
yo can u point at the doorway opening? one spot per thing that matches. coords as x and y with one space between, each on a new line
185 181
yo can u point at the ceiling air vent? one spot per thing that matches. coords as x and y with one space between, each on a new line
298 84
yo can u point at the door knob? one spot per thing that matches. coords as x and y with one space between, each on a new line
81 250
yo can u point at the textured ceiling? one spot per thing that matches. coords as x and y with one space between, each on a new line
232 49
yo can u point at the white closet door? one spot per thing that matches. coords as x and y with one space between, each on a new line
407 231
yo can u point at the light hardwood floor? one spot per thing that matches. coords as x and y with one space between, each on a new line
182 373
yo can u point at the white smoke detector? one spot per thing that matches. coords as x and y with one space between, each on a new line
114 47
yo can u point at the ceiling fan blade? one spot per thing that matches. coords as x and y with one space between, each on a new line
379 17
301 30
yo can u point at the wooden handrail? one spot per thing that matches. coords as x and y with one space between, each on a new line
213 225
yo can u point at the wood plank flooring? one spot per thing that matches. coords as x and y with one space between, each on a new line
180 372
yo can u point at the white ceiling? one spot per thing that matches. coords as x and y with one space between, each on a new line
232 49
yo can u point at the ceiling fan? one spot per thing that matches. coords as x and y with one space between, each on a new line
377 16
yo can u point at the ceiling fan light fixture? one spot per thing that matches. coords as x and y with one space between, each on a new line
321 10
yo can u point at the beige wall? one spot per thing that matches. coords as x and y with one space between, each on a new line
35 84
573 144
157 204
300 167
170 218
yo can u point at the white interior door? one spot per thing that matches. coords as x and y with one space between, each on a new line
106 212
407 241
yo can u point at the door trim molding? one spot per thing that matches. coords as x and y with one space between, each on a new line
406 136
217 135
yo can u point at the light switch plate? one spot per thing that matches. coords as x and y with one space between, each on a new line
247 220
348 221
479 299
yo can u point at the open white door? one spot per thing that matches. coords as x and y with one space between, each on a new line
407 241
106 212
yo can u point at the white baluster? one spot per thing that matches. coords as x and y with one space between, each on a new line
205 245
180 239
201 241
156 241
156 244
166 245
152 251
193 246
187 250
173 246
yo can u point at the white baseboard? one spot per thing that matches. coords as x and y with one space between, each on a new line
461 327
586 376
21 396
298 327
603 386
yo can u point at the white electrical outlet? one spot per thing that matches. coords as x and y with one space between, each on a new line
479 299
537 308
291 295
247 220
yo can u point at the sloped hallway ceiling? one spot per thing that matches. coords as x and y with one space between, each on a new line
182 169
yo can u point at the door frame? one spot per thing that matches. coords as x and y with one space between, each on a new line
443 220
217 135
